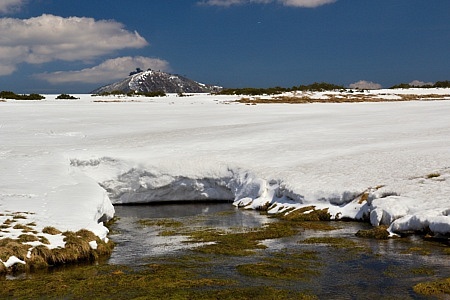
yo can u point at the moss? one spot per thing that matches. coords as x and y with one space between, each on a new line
379 233
423 271
239 243
438 287
284 266
338 243
50 230
157 281
417 250
161 223
319 225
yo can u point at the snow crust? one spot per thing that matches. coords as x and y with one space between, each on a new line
63 162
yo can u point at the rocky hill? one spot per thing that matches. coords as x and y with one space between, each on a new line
156 81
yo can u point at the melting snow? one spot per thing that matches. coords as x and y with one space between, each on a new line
64 162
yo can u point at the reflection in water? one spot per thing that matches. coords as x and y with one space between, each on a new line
136 242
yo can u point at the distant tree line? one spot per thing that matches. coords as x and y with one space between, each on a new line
12 95
132 93
438 84
314 87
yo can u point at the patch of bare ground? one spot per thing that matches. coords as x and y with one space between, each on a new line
342 98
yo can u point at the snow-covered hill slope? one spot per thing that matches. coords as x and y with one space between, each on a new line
62 162
156 81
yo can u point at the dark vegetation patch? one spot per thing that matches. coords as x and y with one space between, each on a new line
284 265
239 243
154 281
378 232
439 288
66 97
14 96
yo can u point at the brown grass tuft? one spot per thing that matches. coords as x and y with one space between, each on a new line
51 230
10 247
307 214
24 238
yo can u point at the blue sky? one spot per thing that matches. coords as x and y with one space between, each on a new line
74 46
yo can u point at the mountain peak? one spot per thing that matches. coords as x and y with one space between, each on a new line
157 81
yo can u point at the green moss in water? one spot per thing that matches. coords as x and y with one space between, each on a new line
417 250
156 281
166 223
239 243
436 288
379 233
284 266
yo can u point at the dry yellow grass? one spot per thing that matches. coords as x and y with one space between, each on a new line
77 248
343 98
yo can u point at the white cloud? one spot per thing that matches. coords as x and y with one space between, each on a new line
294 3
111 69
420 83
365 85
7 6
49 38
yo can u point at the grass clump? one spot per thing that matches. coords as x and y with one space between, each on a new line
77 249
10 247
379 233
306 214
51 230
24 228
25 238
8 222
433 288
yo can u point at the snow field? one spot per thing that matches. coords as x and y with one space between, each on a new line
63 163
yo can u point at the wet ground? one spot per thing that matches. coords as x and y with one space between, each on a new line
355 269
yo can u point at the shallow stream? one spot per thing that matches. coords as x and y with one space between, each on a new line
378 269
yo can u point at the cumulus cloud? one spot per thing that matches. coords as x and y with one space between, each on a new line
111 69
294 3
420 83
48 38
365 85
7 6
